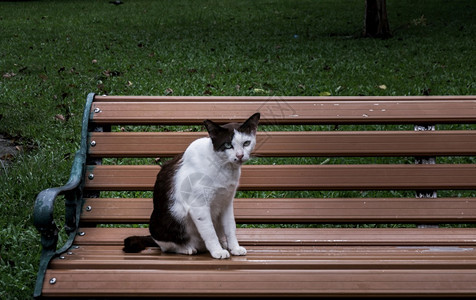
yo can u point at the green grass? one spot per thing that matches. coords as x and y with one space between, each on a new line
52 53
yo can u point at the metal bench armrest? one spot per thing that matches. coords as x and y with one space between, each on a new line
45 201
43 213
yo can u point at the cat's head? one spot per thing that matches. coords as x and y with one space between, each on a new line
233 142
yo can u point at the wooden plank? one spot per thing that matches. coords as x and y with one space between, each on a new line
265 282
437 252
304 177
110 98
302 210
312 236
279 258
282 252
279 111
300 143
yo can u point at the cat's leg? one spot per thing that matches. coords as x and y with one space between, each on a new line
229 228
220 233
175 248
202 219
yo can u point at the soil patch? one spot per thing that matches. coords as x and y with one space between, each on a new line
8 150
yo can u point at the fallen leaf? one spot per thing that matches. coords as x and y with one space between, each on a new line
44 77
7 156
9 75
382 87
324 94
59 117
101 87
109 73
421 21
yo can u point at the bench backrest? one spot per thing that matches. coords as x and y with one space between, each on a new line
318 160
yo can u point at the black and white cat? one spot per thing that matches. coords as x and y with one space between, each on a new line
193 194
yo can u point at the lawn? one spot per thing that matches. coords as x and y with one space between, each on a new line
52 53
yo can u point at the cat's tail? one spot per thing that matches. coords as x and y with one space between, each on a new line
135 244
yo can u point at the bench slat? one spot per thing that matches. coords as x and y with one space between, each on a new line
301 210
309 177
278 252
278 111
264 282
312 236
300 143
129 98
283 257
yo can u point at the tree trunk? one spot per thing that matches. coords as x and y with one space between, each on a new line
376 20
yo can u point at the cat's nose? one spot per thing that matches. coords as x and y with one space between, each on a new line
240 156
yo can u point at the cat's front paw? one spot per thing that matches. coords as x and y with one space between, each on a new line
238 251
220 254
188 251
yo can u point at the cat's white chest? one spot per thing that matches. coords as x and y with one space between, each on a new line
203 180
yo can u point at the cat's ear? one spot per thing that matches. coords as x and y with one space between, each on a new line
213 128
251 125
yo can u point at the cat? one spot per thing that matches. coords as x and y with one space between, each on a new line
194 192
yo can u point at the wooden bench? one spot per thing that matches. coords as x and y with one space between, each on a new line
347 210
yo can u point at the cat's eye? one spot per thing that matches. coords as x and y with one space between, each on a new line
246 144
227 145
